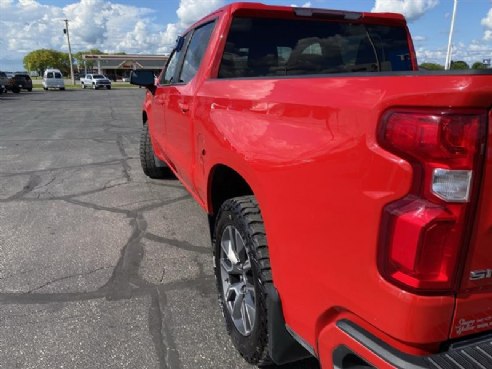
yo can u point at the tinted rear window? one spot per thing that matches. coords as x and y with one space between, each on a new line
58 75
49 75
258 47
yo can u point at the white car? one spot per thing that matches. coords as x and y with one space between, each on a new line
95 81
53 78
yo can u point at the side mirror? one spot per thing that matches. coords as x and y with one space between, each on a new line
143 78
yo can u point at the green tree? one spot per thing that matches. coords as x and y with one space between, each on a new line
479 65
431 66
459 65
78 56
39 60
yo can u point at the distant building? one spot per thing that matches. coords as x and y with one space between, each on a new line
119 66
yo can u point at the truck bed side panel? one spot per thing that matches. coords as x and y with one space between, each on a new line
307 148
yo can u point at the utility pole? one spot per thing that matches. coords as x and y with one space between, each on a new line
448 55
65 31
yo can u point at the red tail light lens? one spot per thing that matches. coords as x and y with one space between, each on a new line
422 235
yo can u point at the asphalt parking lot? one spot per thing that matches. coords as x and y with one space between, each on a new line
100 267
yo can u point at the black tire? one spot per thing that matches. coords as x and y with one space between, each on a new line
108 87
62 88
45 88
243 214
16 90
29 89
151 165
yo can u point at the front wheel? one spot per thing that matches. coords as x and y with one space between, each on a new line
29 89
242 271
108 87
94 86
151 165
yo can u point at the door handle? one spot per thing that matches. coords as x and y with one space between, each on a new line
184 107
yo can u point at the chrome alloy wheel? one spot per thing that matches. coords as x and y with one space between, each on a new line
237 280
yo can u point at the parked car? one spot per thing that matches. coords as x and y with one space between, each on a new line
4 81
53 78
23 81
348 194
95 81
6 78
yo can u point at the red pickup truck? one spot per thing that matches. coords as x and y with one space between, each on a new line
349 194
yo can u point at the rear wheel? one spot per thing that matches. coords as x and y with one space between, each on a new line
15 90
29 89
242 270
94 86
151 165
45 88
108 87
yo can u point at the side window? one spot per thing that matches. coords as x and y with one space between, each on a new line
167 76
195 52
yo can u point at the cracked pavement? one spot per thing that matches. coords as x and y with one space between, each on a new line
101 266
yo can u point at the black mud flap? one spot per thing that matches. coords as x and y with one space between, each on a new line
283 347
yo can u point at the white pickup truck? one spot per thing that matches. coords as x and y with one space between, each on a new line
95 81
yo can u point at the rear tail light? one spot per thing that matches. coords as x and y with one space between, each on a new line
423 234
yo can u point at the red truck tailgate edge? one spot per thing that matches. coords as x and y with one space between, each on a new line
473 313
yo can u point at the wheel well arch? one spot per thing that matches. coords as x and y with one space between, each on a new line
225 183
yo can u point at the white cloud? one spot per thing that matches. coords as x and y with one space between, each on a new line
305 5
190 11
103 24
470 53
487 23
411 9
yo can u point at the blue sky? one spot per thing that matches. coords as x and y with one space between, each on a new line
150 26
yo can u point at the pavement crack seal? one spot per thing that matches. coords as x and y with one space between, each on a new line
183 245
167 353
124 161
68 277
35 171
34 180
125 276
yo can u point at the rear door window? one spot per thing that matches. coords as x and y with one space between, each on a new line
257 47
195 52
49 75
58 75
